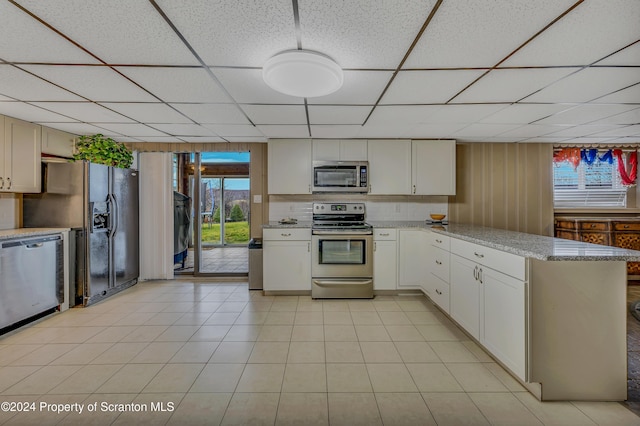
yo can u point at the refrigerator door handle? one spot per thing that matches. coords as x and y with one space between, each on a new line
113 214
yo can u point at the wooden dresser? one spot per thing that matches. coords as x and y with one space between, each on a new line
619 232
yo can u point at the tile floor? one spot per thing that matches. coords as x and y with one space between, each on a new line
218 354
218 260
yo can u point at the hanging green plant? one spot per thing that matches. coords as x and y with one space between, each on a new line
102 150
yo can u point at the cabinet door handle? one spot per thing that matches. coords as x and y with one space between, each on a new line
9 183
308 247
375 246
480 255
438 262
1 183
414 189
438 241
285 235
480 275
438 291
309 191
475 273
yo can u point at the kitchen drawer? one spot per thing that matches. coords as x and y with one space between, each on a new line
284 234
439 240
602 238
594 226
381 234
440 267
439 293
504 262
567 235
565 224
625 226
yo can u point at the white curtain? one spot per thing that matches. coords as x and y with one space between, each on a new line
156 215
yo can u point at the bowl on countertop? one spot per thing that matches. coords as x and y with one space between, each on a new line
437 217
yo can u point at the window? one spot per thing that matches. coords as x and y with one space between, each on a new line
595 185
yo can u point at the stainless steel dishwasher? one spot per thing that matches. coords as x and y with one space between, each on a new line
31 277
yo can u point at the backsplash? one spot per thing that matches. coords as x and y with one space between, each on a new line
379 208
9 211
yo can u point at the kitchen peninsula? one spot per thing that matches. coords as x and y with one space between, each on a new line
552 311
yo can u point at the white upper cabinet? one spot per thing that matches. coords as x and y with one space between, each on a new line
55 142
21 147
433 167
289 166
339 150
389 167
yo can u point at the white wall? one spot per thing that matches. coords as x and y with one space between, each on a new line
9 211
156 216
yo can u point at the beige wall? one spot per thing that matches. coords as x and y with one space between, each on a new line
504 185
257 171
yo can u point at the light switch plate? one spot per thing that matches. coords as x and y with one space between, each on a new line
257 199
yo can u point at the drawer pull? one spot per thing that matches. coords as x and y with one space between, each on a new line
480 255
593 225
438 241
285 235
626 227
384 234
438 262
439 292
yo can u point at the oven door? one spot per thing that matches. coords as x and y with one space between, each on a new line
342 255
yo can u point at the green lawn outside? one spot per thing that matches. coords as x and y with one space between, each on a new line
236 233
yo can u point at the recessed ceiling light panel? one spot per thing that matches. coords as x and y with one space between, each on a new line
302 73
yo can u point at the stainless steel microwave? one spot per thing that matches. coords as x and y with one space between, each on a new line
340 176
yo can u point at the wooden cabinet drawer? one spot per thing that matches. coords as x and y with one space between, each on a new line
565 224
622 226
594 226
507 263
601 238
439 240
285 234
382 234
441 261
567 235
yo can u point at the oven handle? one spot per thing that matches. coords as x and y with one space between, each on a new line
339 283
354 232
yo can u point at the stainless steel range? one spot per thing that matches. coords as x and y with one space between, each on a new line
342 251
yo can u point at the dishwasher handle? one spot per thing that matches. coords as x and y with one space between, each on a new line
31 243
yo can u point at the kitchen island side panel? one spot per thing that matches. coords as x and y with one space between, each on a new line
577 339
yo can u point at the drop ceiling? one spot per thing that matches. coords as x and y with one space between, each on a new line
557 71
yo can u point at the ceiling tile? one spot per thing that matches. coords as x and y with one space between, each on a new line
106 28
276 114
628 95
428 87
75 128
325 114
588 33
585 113
620 131
532 130
248 139
24 39
524 113
148 112
201 139
237 33
23 86
385 131
131 129
349 30
213 113
161 139
343 131
464 114
511 85
543 139
628 56
247 86
177 84
185 129
580 131
629 117
284 131
587 84
480 131
433 130
500 139
84 111
359 88
94 83
118 138
407 114
224 130
480 33
29 112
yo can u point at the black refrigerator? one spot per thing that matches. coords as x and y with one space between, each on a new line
100 205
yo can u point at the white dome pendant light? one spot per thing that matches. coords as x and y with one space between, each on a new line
302 73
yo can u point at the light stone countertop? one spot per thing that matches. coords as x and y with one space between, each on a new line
8 234
278 225
518 243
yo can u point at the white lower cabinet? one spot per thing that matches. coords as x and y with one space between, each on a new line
491 306
385 259
286 259
412 251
